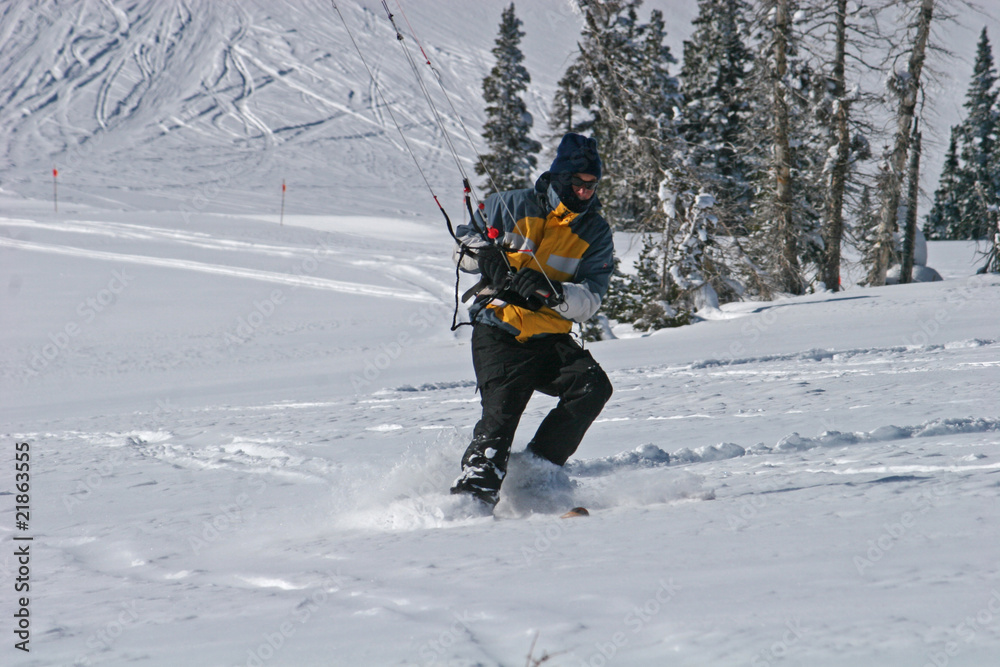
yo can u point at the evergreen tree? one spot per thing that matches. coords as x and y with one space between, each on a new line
698 262
647 298
979 175
834 114
716 65
511 159
787 154
870 236
866 229
636 103
623 302
626 64
945 215
656 186
969 187
573 105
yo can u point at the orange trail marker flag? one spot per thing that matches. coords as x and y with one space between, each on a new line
55 193
282 220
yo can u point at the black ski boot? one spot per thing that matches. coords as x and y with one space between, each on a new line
481 478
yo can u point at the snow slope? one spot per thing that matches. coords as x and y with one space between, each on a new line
242 434
198 106
207 105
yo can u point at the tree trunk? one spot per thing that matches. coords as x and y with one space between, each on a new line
833 230
910 232
789 279
889 213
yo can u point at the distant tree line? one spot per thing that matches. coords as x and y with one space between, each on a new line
749 173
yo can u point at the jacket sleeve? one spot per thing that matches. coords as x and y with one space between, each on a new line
584 294
470 238
579 303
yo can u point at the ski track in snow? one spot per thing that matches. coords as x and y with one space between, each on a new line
273 489
305 465
413 494
229 271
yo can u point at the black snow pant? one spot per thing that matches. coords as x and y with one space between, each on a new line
508 372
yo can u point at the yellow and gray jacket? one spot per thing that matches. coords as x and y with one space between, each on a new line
576 249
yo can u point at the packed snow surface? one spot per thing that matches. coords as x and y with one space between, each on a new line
242 433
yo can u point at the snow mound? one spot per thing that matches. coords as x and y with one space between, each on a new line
643 456
920 274
938 427
970 343
720 452
414 494
436 386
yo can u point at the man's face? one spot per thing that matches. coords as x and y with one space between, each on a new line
584 185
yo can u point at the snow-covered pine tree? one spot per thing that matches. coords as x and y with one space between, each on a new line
698 256
510 160
626 64
787 154
573 104
992 264
944 220
839 151
979 167
869 237
623 302
834 41
865 230
716 65
647 298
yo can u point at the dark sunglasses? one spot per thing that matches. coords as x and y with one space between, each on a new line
578 182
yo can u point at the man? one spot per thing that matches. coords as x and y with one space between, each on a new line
552 270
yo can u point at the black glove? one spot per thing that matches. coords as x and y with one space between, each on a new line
493 265
535 287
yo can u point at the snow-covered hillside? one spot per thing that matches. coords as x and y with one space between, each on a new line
241 434
208 106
